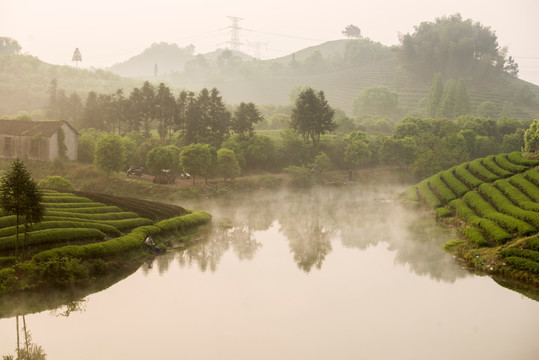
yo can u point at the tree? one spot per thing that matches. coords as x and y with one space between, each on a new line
195 159
487 110
159 158
9 46
377 101
165 110
447 105
245 116
19 195
352 32
77 57
462 101
312 116
435 96
109 153
357 150
531 137
228 165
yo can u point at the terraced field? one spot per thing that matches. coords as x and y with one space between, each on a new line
494 202
80 228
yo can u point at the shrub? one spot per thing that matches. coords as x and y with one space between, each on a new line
477 167
533 176
533 243
517 158
50 236
108 216
525 186
523 253
443 212
441 189
457 186
427 195
56 183
475 236
490 163
466 177
64 198
181 223
301 176
516 196
503 161
523 264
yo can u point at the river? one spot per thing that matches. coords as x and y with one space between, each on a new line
333 273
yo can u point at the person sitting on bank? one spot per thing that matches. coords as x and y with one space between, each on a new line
151 244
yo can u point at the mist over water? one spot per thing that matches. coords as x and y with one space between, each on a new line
329 273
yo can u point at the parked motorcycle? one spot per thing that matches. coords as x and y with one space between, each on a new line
135 171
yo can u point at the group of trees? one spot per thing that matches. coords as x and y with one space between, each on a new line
455 48
448 102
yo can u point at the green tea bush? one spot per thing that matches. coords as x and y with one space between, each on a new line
475 236
453 183
443 212
490 163
7 261
79 205
533 243
57 183
439 187
516 196
533 176
427 195
523 253
89 210
525 186
523 264
505 206
504 163
484 209
517 158
476 166
65 199
491 229
8 220
51 236
411 193
181 223
126 224
108 216
462 173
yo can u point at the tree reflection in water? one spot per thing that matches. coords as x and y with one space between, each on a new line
360 216
25 350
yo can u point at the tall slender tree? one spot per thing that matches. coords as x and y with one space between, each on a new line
435 96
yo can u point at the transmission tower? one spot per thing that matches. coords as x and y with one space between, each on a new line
235 35
256 45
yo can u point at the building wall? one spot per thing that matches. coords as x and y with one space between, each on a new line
71 141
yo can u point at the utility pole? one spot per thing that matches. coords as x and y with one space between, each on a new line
235 35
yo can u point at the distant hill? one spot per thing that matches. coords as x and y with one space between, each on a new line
341 68
24 81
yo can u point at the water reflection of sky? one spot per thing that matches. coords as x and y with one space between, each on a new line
325 276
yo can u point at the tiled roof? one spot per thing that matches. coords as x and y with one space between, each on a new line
29 128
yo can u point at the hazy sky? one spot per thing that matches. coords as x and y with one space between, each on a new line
110 31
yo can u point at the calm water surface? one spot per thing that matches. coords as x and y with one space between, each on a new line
334 273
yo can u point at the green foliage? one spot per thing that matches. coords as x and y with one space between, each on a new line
434 100
161 157
517 158
522 253
531 137
195 159
244 119
398 152
525 186
109 153
312 116
487 110
52 236
302 176
475 236
321 163
516 196
477 168
533 243
523 264
503 161
56 182
427 195
228 165
453 183
378 101
443 212
357 151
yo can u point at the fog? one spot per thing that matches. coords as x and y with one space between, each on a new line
339 272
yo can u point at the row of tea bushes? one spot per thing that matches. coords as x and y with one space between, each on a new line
126 243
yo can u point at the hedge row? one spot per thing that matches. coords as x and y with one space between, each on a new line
493 231
516 196
457 186
525 186
107 229
484 209
126 243
507 207
475 236
490 163
466 177
476 166
523 253
516 158
523 264
108 216
65 199
503 161
444 193
57 205
50 236
533 176
411 194
427 195
87 210
533 243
